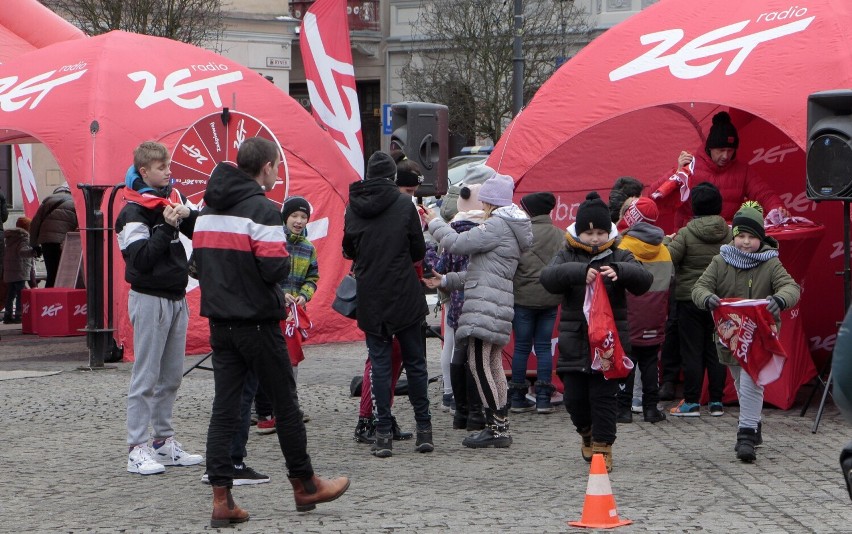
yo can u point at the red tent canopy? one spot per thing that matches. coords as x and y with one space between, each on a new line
138 88
648 88
26 25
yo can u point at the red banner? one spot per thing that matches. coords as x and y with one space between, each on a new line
327 59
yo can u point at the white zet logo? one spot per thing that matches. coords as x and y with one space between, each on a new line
683 63
335 118
174 91
51 311
14 95
193 152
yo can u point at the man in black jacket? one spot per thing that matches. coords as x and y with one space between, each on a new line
240 255
384 235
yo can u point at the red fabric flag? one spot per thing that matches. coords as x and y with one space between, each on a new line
748 330
295 328
327 58
607 354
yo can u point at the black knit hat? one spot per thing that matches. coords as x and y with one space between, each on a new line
380 165
706 199
623 188
593 213
538 203
294 204
408 178
722 133
749 219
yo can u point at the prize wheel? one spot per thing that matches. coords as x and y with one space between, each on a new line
214 139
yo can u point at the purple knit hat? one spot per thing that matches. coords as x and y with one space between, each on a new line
497 190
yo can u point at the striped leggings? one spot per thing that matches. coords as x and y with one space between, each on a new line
486 364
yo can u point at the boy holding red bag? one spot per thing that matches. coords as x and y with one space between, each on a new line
591 251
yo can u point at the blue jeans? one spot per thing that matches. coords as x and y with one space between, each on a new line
533 327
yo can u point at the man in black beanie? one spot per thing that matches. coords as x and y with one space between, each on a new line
717 163
383 235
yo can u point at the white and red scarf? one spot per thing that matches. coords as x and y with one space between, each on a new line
747 328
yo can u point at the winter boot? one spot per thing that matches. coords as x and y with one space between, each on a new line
383 447
458 379
586 444
543 391
398 434
495 434
746 439
424 439
606 450
365 430
520 403
225 510
475 418
309 492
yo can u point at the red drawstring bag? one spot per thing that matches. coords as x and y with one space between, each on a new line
295 328
605 348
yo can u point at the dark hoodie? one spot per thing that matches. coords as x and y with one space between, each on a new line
383 235
239 250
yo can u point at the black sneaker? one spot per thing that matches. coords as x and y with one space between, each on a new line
365 430
383 447
624 415
653 415
398 434
246 476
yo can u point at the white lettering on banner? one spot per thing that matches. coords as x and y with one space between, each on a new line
174 91
317 229
14 97
25 172
773 155
25 309
682 63
838 250
335 118
51 311
800 203
565 212
79 309
826 344
241 134
193 152
215 136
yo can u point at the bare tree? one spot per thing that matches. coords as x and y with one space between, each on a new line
198 22
462 56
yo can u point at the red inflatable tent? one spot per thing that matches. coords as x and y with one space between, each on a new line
648 88
138 88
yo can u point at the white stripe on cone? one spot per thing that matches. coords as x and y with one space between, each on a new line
599 485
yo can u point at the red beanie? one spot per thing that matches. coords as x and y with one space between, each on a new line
641 209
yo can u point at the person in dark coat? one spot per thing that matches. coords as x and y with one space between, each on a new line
384 236
591 251
55 217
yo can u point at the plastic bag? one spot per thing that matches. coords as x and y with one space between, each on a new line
605 348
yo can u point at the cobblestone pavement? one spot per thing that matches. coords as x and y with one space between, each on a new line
64 460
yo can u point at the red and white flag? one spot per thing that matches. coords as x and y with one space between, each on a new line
327 58
747 329
29 194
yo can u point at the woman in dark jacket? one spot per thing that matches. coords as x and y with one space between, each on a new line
591 251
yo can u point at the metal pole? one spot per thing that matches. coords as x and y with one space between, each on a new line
518 60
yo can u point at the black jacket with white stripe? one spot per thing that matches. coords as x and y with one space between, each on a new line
239 250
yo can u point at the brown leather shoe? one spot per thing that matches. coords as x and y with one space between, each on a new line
225 511
312 491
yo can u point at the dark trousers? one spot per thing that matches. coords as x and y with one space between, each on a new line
670 359
413 348
52 252
262 403
238 443
239 347
698 352
645 358
591 402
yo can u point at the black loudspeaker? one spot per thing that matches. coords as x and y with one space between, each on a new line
420 129
829 154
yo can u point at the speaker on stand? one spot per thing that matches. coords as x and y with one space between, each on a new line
829 177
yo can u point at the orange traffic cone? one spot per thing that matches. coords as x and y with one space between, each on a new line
599 510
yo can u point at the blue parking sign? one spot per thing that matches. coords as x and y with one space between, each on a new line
387 128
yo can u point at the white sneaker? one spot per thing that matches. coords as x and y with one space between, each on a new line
171 453
140 461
